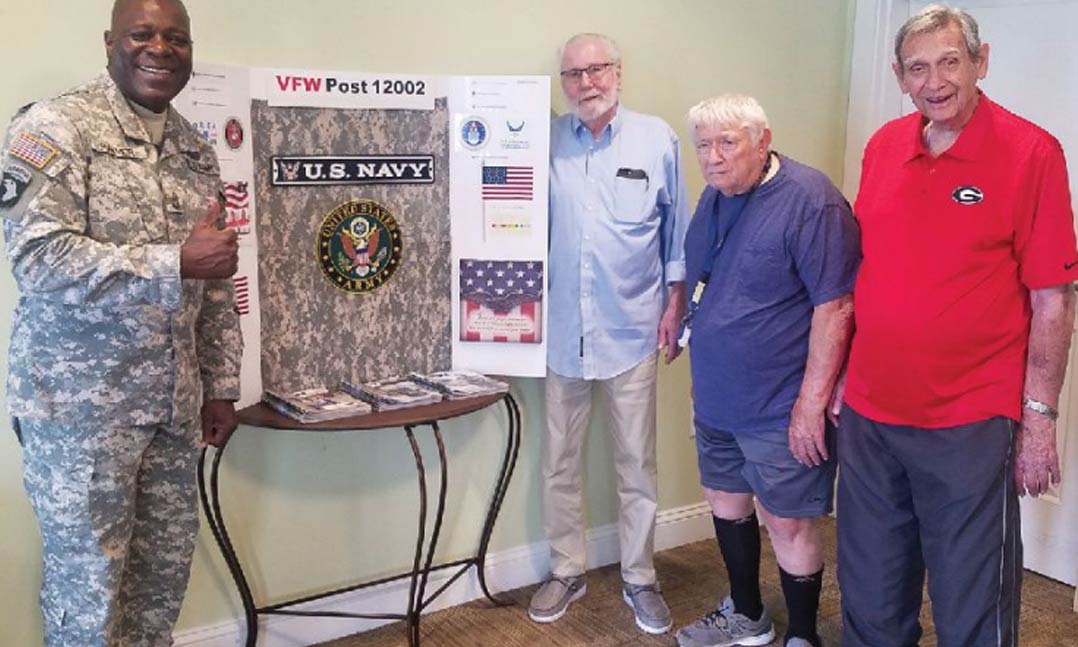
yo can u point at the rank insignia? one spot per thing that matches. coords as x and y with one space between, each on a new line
358 246
35 151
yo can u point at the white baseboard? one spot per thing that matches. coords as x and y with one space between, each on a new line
506 569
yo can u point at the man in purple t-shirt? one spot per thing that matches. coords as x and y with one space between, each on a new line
771 256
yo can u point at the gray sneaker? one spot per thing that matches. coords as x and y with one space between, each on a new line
552 599
798 642
652 614
725 627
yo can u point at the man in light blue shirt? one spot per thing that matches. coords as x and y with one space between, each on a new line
617 227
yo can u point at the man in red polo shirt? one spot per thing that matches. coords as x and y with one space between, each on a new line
964 309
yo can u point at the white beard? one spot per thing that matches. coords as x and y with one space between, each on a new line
592 109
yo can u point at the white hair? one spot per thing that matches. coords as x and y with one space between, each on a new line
935 17
729 110
608 43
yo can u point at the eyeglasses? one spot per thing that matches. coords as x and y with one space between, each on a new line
724 144
596 71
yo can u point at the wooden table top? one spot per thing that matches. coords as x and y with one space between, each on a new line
261 415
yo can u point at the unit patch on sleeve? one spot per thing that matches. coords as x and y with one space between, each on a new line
35 151
16 180
352 169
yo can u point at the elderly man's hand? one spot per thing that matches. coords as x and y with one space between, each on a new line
218 421
670 324
807 442
1036 462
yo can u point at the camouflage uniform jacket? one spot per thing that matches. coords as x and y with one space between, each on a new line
94 215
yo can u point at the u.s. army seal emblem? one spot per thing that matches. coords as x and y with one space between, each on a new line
358 245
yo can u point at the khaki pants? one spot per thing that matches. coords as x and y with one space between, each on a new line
630 400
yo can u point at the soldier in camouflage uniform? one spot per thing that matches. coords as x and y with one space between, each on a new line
126 339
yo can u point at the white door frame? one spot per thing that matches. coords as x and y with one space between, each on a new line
875 97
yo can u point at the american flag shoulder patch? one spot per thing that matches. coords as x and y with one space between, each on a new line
35 151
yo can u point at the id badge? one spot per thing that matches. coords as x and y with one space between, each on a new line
685 331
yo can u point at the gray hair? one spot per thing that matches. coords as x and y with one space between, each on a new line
729 110
608 44
935 17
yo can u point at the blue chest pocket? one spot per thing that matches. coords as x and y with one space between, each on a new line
632 199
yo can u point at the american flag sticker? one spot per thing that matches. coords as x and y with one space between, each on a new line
237 203
501 301
508 182
33 150
243 295
236 196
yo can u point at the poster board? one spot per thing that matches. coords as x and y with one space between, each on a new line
380 198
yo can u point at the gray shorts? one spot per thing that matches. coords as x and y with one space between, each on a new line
760 463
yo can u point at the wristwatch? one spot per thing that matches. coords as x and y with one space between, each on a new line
1040 407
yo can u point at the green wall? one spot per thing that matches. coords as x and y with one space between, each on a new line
320 509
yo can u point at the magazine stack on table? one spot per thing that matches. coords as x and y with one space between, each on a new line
393 393
457 385
316 405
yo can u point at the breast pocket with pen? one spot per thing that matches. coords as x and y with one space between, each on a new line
632 201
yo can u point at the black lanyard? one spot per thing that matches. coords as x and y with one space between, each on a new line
715 239
716 242
717 233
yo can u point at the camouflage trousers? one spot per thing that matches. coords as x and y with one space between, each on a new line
117 508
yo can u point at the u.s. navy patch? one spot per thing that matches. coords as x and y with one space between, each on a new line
319 170
35 151
14 183
358 246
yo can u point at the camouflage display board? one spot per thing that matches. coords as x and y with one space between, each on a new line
370 188
354 247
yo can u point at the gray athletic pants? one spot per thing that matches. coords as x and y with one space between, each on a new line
911 499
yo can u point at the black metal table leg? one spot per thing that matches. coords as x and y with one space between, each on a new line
439 514
422 565
211 504
414 605
505 474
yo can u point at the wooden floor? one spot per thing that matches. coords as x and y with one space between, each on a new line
693 579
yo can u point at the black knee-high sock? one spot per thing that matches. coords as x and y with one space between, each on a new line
802 602
739 541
